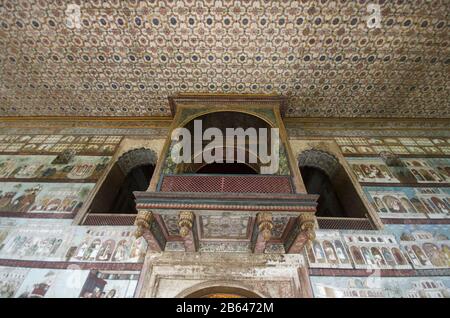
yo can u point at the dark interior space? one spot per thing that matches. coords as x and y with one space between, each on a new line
338 197
116 193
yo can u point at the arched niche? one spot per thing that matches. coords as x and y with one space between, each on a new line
323 175
131 172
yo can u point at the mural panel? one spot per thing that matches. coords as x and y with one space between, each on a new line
405 170
375 250
42 167
427 246
66 283
410 203
58 241
43 197
398 146
327 251
377 287
82 144
372 170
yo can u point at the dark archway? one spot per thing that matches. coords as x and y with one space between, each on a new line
323 175
132 172
317 182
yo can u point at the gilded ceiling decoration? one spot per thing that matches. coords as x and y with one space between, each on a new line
123 58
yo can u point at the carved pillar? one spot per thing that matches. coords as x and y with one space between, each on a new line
302 232
150 230
186 223
262 231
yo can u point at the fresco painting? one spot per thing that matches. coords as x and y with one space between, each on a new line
380 287
43 197
372 170
11 278
57 143
66 283
398 146
405 170
327 251
73 243
409 203
41 167
427 246
370 250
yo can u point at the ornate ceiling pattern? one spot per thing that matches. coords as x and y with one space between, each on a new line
123 58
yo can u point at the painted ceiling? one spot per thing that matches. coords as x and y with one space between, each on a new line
123 58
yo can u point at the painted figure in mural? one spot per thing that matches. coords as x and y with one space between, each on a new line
340 251
121 251
398 256
106 251
377 256
330 252
388 257
137 250
421 256
92 251
434 254
357 256
427 174
394 205
81 250
320 256
368 256
26 200
368 173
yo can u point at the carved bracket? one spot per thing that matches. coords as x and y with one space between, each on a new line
262 232
302 232
150 230
186 221
307 224
143 221
265 224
